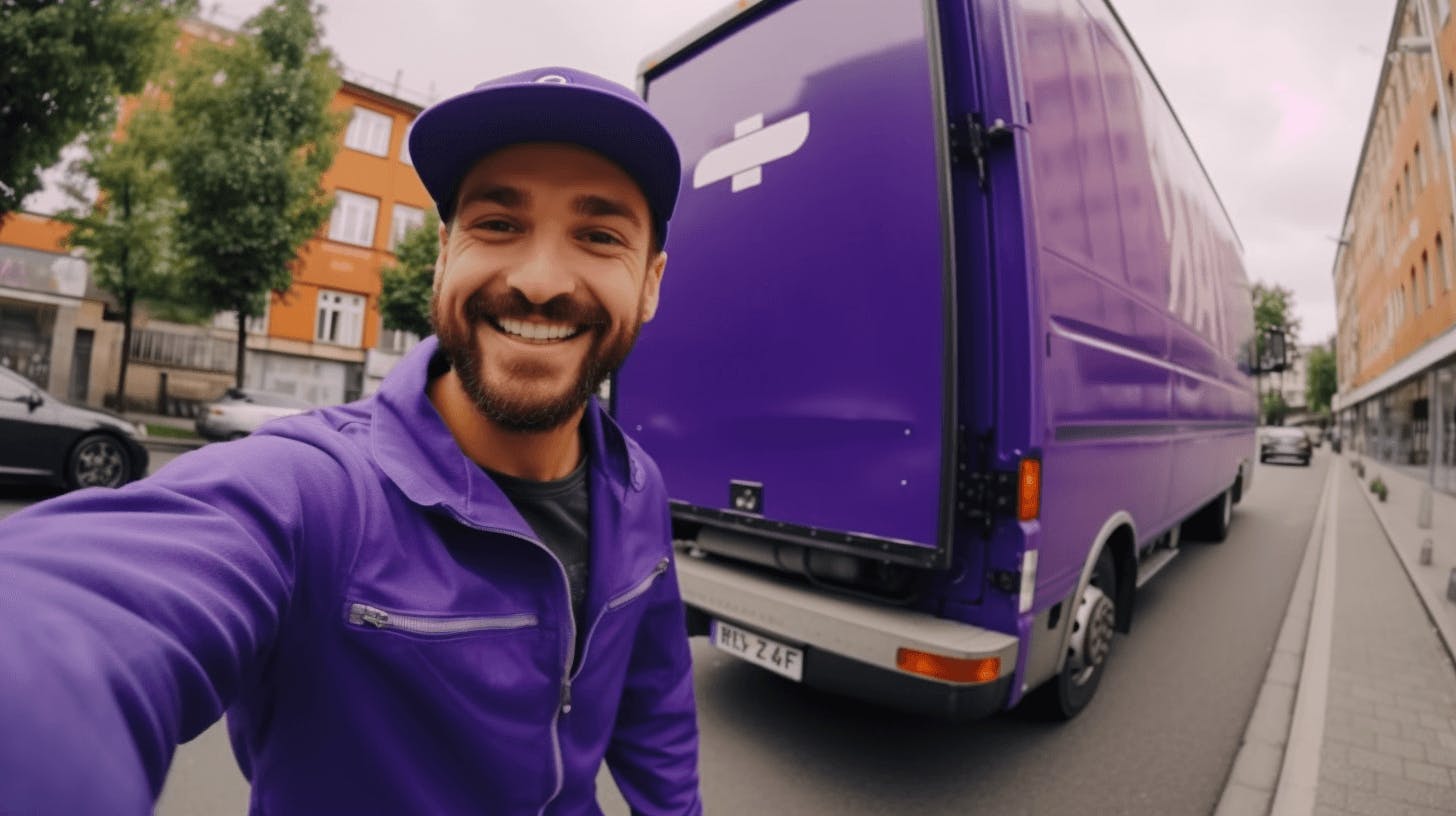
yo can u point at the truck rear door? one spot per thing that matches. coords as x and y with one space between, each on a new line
798 378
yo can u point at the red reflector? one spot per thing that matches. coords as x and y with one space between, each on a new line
1028 490
954 669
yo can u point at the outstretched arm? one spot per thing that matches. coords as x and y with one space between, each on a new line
129 620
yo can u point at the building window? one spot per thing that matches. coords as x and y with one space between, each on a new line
396 341
404 154
229 321
1405 175
369 132
1430 284
1420 168
405 219
1442 265
340 318
354 217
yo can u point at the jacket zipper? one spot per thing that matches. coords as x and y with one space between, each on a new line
616 603
566 674
361 614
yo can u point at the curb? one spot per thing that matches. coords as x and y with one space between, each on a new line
166 445
1259 763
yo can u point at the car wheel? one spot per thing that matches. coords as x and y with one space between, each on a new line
98 460
1089 645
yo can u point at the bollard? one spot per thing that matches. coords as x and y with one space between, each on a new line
1451 586
1426 553
1423 511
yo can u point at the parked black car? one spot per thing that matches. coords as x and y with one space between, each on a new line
45 438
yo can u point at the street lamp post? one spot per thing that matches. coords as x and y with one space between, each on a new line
1427 42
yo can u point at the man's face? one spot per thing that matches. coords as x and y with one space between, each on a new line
543 282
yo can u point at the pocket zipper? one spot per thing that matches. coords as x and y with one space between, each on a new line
642 586
360 614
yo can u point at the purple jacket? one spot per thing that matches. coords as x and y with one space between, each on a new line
378 622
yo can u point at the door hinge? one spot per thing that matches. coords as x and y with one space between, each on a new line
971 140
982 495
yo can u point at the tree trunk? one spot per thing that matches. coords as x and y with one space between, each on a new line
242 346
128 301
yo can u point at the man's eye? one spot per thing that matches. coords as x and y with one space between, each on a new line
496 225
599 237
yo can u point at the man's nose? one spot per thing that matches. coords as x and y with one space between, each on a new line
543 274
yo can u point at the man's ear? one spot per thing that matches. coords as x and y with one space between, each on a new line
652 286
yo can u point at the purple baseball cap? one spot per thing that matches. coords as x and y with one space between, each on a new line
546 105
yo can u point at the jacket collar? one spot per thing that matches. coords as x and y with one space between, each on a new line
416 451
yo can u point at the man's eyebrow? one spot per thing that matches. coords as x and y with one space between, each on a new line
595 205
504 195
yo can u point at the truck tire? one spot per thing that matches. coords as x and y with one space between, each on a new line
1089 644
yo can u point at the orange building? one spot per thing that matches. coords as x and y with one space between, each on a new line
321 340
1395 271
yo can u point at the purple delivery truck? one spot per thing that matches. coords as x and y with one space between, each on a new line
956 339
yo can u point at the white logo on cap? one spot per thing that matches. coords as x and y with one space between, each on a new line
752 147
556 78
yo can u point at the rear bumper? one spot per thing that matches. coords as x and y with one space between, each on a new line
850 645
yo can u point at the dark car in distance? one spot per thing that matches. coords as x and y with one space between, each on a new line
47 439
1284 443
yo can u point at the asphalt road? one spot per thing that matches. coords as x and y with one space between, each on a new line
1159 739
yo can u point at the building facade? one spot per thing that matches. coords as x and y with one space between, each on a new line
1393 273
322 340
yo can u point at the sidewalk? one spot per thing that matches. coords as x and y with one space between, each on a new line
1358 710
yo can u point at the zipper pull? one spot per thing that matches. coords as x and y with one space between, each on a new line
661 567
566 696
377 618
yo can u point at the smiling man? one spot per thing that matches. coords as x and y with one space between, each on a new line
456 596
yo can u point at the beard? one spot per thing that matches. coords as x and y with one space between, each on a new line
514 409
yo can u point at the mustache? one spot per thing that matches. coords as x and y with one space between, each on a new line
513 305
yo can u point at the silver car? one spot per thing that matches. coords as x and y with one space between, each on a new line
1284 443
239 412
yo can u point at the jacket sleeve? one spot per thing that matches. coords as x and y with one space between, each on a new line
130 618
653 754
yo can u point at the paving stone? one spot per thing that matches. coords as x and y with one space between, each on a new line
1444 757
1399 747
1430 775
1330 794
1350 735
1415 793
1380 763
1375 725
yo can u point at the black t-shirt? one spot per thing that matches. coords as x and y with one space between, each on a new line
559 512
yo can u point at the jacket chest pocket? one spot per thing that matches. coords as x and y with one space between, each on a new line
507 658
437 626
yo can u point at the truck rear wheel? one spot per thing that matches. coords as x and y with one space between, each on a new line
1089 645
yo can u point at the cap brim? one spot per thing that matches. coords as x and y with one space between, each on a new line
449 138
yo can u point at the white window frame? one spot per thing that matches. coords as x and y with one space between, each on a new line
354 218
404 219
404 154
339 318
369 131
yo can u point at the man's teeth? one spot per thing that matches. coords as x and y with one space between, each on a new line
537 331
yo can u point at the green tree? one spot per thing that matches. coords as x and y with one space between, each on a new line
65 64
404 300
1274 310
1275 408
254 136
126 233
1320 379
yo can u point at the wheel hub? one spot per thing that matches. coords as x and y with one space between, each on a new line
1092 630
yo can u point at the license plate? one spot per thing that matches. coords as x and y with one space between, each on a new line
759 650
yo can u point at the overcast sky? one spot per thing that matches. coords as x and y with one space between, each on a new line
1275 94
